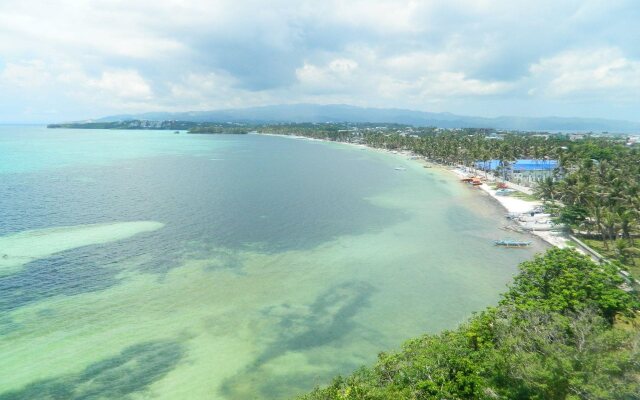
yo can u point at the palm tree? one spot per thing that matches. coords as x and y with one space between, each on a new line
546 189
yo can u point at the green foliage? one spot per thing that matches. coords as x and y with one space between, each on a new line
565 356
627 254
547 189
551 337
572 215
129 124
564 280
220 128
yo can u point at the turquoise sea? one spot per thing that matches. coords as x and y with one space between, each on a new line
145 264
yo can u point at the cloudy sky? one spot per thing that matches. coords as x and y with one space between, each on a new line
70 59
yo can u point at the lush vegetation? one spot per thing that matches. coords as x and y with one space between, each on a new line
556 334
128 124
221 128
619 251
600 199
192 127
334 132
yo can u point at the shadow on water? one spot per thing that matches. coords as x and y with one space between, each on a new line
214 257
232 204
131 371
327 320
67 273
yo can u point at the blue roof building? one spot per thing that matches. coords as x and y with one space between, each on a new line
522 165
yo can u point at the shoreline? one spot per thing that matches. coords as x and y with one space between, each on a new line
519 206
510 204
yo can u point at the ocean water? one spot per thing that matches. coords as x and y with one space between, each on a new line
144 264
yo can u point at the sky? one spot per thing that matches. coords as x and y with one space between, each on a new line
63 60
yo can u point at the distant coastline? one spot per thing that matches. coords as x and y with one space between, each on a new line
342 113
189 126
129 124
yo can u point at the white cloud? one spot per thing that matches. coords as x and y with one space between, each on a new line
197 54
387 16
55 84
336 76
411 78
124 84
26 74
81 29
458 84
211 90
602 71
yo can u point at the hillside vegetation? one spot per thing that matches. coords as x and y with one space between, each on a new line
563 330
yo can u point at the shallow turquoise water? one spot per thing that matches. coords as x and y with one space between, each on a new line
146 264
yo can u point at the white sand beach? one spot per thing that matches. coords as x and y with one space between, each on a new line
514 205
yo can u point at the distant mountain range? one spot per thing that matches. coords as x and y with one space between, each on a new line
344 113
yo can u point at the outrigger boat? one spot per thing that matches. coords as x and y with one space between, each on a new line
511 243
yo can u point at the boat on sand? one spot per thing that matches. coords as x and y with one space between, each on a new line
511 243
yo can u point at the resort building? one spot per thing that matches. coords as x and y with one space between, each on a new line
577 136
523 171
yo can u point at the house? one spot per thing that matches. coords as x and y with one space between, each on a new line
522 171
494 136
